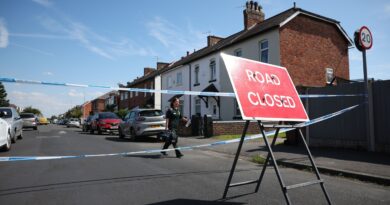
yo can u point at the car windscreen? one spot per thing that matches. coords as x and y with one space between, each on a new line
108 115
26 115
151 113
6 112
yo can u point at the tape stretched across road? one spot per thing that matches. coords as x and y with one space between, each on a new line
173 92
270 133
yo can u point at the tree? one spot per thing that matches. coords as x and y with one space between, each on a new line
74 112
30 109
122 113
3 96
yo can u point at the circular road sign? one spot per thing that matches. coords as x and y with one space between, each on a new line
365 37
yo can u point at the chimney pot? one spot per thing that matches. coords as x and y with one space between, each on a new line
252 14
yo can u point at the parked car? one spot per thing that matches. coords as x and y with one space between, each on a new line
87 124
29 120
5 135
12 117
43 121
73 122
104 122
142 122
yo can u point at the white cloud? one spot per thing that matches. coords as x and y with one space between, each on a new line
3 34
32 49
48 104
177 40
74 93
66 29
45 3
387 9
48 73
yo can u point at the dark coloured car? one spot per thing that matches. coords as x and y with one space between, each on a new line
87 124
105 122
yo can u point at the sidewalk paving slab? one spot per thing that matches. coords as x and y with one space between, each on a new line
362 165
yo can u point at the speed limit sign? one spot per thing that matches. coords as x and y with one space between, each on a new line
365 38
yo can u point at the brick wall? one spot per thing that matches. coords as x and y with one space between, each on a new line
87 108
233 128
308 46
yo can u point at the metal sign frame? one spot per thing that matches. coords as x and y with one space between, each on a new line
271 156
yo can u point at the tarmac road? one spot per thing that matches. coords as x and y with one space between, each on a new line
197 178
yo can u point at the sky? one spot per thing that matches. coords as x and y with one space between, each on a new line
109 42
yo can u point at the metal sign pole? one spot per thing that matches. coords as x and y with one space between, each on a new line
368 111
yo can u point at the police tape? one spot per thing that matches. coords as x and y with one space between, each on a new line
267 134
172 92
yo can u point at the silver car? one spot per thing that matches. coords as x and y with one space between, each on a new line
12 117
29 120
142 122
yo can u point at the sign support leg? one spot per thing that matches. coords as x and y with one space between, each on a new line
235 159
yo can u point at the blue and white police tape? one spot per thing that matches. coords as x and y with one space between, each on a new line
269 133
172 92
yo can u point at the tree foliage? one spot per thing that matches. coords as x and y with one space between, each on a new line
30 109
75 112
122 113
3 96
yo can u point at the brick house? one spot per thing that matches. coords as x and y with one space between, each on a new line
86 109
98 104
313 48
129 100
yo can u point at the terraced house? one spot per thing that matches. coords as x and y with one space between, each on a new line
312 47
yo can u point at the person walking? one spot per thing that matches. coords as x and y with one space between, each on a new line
173 118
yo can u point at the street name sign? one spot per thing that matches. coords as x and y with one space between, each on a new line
264 91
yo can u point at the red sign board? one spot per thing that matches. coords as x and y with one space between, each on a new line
264 91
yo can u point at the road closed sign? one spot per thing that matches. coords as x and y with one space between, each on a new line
264 91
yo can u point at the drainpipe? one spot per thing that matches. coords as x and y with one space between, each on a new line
189 86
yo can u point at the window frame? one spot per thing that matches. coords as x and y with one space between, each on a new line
261 50
213 70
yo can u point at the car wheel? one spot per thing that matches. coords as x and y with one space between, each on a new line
99 131
133 137
35 128
7 145
13 139
91 131
121 135
21 135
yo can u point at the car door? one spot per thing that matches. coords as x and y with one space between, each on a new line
130 122
18 122
122 124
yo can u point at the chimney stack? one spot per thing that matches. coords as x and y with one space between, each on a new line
161 65
212 40
147 71
252 14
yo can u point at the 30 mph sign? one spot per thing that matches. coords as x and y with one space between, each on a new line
264 91
365 38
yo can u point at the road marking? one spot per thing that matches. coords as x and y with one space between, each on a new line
62 132
47 137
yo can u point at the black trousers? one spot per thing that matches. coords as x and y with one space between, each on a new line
172 140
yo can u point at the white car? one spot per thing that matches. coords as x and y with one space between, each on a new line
73 122
12 117
5 135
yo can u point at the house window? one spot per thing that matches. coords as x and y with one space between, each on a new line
237 111
197 106
238 52
131 94
329 75
179 79
126 95
122 96
264 51
169 81
196 75
213 71
136 93
146 87
214 109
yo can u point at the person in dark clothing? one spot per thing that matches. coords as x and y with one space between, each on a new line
173 118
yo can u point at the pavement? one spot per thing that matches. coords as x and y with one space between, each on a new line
362 165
